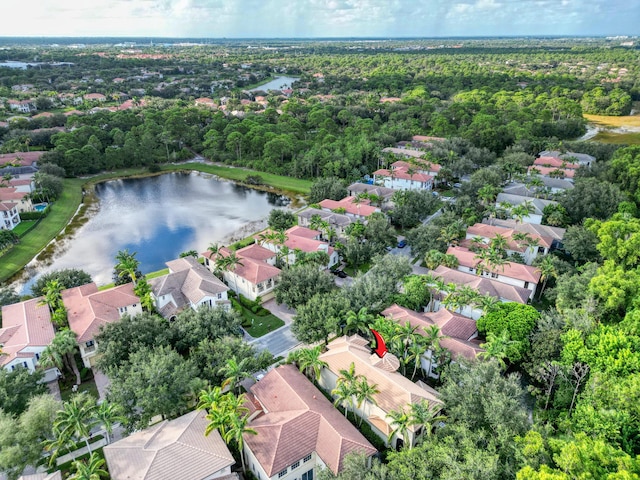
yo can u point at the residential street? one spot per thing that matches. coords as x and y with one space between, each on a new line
281 341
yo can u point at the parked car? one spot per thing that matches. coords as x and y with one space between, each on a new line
341 274
402 243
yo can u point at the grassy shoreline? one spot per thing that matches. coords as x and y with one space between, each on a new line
66 207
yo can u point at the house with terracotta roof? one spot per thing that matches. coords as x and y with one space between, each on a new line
94 97
458 334
403 178
187 285
483 285
9 216
22 106
384 193
301 239
556 234
582 159
299 432
536 206
26 331
359 210
88 309
395 391
257 276
338 221
511 273
171 450
20 198
529 249
23 159
205 102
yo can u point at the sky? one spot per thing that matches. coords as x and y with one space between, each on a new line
318 18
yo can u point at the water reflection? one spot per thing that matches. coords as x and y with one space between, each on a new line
160 217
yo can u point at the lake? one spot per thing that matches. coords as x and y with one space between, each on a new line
159 217
279 83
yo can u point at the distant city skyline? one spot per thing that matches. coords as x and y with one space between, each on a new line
318 18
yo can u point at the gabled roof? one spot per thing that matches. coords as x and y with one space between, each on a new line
455 330
555 162
337 219
88 309
396 391
537 204
255 252
297 420
490 231
187 282
252 270
469 259
25 324
360 209
23 158
484 285
169 450
556 233
404 175
383 192
303 232
551 171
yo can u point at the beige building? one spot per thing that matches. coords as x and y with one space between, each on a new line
299 430
88 309
26 331
171 450
188 284
396 392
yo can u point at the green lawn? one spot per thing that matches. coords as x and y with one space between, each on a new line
23 226
61 213
86 386
289 184
352 272
257 325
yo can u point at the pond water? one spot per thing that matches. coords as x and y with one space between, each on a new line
158 217
279 83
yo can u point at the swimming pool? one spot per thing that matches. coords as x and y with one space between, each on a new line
40 207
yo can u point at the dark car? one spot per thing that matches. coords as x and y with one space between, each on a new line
341 274
402 243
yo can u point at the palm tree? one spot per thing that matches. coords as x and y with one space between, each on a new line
415 352
498 347
214 251
547 269
431 339
499 243
52 296
344 395
358 322
127 265
308 361
488 303
423 414
519 212
235 371
209 399
89 470
229 264
400 423
404 336
76 419
364 392
61 352
235 433
108 414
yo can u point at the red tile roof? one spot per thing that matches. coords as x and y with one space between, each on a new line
555 162
22 158
484 285
550 171
526 273
455 330
360 209
88 309
25 324
304 232
253 270
489 231
297 421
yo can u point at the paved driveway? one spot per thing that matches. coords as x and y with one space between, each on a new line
102 383
281 311
279 342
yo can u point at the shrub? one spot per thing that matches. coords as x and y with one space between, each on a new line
254 180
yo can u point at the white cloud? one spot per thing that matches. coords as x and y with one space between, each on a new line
309 18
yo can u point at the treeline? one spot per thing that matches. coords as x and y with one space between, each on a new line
311 139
